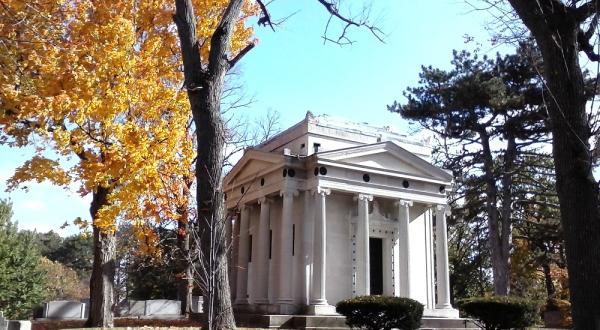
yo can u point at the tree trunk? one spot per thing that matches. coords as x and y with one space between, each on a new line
186 281
576 186
550 289
205 89
499 253
211 218
555 30
103 269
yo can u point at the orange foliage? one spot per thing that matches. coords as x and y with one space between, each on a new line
98 85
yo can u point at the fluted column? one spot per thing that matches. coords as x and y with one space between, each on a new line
441 251
243 255
396 263
363 240
285 252
404 247
262 259
318 296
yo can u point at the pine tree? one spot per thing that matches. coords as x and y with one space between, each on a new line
21 278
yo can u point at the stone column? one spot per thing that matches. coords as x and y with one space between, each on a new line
243 257
286 285
318 303
307 226
262 259
388 275
232 228
441 251
404 247
429 258
396 263
363 241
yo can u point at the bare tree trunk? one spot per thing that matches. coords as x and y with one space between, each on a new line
550 288
555 28
506 209
103 269
186 282
499 251
205 89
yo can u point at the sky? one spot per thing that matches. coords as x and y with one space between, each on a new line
292 71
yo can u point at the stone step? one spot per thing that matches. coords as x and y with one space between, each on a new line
443 323
335 322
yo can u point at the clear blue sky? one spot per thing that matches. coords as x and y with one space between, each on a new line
292 71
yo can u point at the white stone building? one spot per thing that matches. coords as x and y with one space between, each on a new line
328 210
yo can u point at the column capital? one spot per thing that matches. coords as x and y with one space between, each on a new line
403 202
265 200
289 193
443 209
364 197
321 191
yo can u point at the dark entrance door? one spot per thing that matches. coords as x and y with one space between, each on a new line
376 265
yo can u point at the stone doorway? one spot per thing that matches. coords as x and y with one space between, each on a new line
376 265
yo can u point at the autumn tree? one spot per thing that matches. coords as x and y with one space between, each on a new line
490 112
95 88
75 251
62 282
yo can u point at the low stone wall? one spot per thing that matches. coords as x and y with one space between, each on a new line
3 322
157 308
65 310
19 325
197 302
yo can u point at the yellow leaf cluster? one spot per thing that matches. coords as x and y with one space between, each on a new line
99 82
39 169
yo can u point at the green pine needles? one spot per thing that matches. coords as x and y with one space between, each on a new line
21 278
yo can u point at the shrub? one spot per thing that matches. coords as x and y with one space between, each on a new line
379 312
499 312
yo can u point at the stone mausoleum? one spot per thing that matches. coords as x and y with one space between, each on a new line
328 210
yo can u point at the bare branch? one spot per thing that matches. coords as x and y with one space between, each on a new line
241 54
265 18
333 10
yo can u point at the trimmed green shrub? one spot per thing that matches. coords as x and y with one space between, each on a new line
379 312
500 312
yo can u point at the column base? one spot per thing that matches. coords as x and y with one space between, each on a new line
286 306
261 306
443 306
324 309
241 302
243 308
449 313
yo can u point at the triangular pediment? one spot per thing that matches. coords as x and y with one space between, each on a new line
251 164
387 156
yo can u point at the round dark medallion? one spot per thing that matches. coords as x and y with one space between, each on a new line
262 181
291 172
442 189
243 189
285 172
366 177
323 170
405 184
316 171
